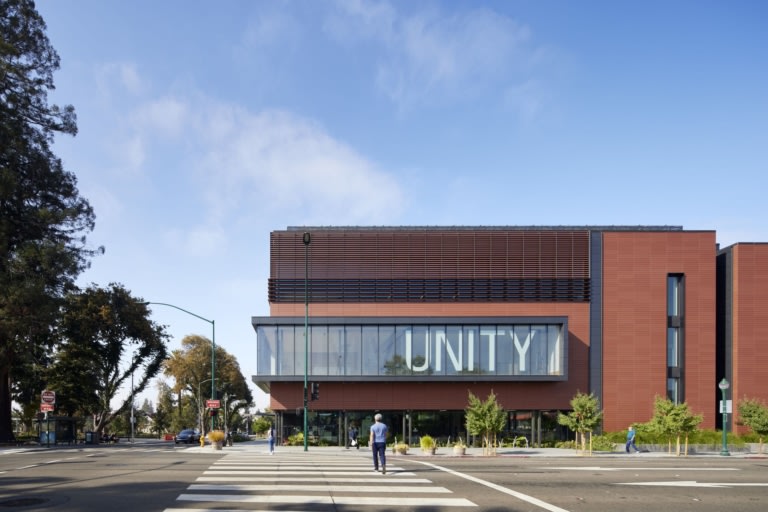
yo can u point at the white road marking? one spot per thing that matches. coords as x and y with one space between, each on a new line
395 478
274 472
694 483
320 488
524 497
329 500
600 468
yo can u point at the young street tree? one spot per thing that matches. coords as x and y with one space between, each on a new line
190 368
43 219
485 419
754 414
108 343
585 417
674 421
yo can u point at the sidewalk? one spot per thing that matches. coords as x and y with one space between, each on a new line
447 452
260 446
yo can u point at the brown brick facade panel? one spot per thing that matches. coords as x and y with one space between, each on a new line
431 254
636 266
750 324
450 396
350 396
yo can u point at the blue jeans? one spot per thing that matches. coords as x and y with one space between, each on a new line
379 454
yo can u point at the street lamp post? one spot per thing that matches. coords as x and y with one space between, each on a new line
724 385
199 403
306 238
133 400
213 348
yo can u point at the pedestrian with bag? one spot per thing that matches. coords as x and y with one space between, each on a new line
352 441
271 439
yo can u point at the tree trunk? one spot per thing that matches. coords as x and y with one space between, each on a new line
6 425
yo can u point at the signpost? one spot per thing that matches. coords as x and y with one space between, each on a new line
47 401
213 404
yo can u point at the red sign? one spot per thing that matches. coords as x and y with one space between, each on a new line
213 404
48 397
46 407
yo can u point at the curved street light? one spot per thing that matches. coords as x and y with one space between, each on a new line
213 347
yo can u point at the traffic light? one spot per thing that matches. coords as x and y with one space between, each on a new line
214 413
315 391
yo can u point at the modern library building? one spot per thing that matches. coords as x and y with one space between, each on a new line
407 321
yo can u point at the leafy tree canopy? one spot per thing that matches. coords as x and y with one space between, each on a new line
190 368
43 219
108 343
485 418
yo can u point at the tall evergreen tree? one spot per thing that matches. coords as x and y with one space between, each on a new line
43 219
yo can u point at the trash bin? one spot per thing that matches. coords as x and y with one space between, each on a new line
90 438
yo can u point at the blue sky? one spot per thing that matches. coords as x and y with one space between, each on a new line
206 125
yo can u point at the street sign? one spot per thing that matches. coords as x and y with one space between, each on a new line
48 397
213 404
46 407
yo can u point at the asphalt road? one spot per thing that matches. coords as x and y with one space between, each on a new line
157 476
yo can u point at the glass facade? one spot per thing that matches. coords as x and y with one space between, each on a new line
675 336
514 351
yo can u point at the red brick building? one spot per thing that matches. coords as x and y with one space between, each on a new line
409 320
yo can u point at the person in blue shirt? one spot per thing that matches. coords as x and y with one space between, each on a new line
631 439
378 443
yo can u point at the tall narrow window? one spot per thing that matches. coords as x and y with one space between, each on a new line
675 337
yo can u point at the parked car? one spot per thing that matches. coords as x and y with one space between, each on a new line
187 436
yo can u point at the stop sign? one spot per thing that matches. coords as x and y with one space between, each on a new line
48 397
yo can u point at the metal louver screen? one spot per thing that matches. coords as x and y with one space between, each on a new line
430 265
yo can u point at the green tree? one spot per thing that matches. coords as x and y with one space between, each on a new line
754 414
485 418
43 219
673 421
584 418
102 330
190 368
661 423
161 423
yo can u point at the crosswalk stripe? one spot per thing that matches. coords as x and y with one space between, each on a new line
329 500
276 477
308 487
299 472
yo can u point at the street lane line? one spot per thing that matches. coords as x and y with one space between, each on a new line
524 497
600 468
694 483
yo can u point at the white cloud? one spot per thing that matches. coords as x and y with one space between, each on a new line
281 163
431 57
116 77
166 117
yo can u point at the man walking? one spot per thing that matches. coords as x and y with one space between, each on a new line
378 444
631 439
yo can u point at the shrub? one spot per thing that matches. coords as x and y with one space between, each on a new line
216 436
427 443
